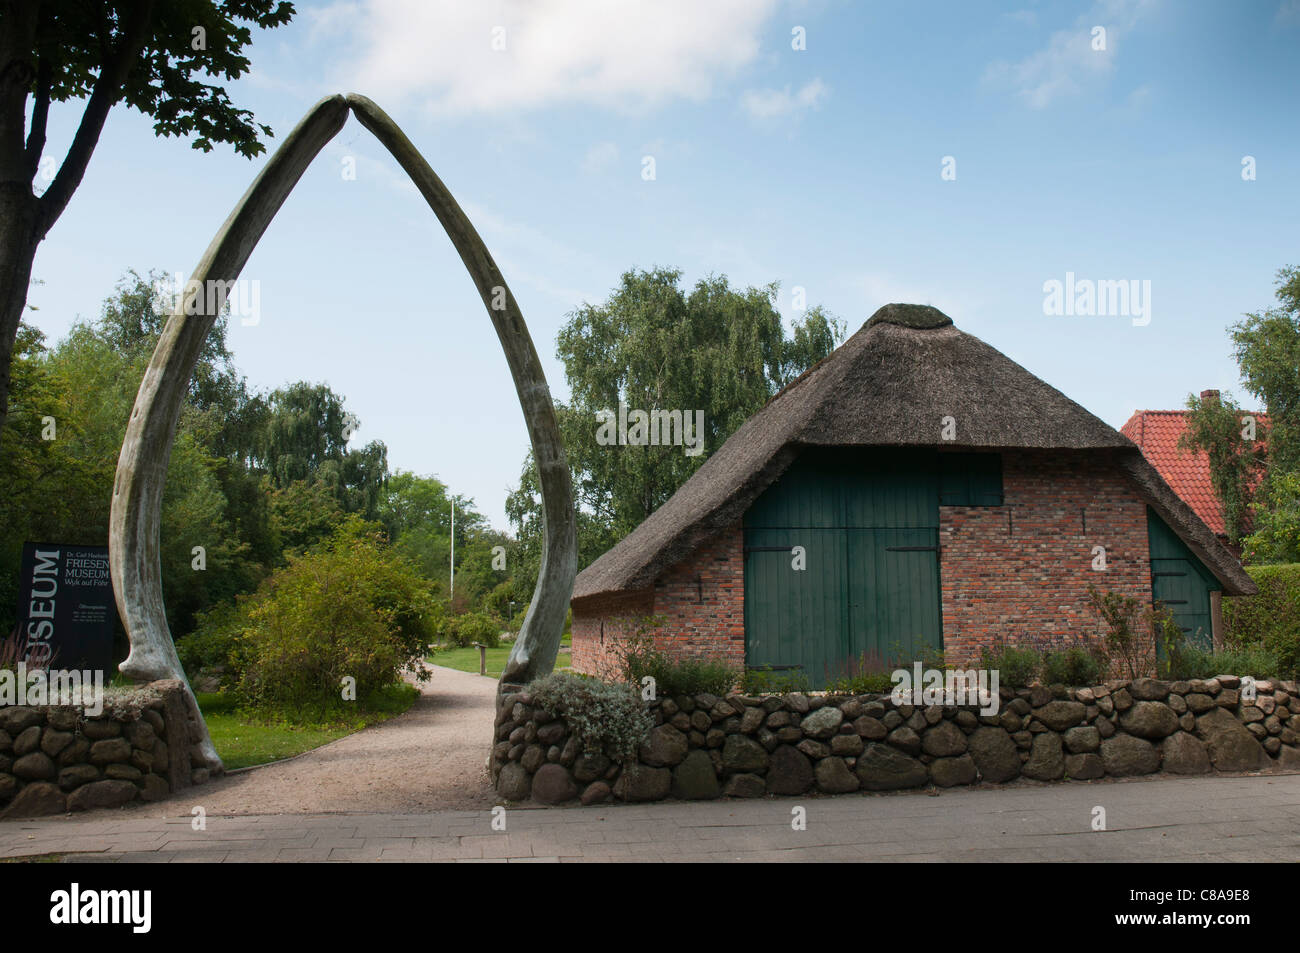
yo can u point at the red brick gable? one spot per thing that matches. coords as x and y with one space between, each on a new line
1157 433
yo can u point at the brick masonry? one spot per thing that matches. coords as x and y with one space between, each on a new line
702 600
1017 573
1020 572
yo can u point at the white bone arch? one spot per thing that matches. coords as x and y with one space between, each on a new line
134 523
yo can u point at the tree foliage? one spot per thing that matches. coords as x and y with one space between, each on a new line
1233 445
1267 348
156 56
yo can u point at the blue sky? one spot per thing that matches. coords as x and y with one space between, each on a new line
817 168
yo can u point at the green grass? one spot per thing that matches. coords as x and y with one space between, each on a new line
466 660
243 740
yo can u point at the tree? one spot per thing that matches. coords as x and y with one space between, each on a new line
1267 348
149 54
302 435
1218 426
719 351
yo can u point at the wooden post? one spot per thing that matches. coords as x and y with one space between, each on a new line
1216 619
482 657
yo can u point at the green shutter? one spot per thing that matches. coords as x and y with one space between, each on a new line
1180 581
970 479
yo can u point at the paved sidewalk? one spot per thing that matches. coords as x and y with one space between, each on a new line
1163 819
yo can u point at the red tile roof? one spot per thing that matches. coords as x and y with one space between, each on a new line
1157 433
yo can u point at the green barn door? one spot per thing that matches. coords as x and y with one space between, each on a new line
868 523
794 619
1181 581
894 593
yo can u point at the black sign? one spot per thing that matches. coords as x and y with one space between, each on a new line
65 607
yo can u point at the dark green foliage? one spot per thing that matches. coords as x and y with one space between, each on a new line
76 45
1255 661
866 674
1072 666
1270 619
1218 427
1016 667
765 681
350 608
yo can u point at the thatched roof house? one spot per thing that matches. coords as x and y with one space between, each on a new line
944 497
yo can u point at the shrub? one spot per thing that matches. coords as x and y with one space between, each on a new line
213 640
352 607
1195 662
607 717
464 630
1016 667
638 659
864 675
1271 618
1072 666
1132 632
766 681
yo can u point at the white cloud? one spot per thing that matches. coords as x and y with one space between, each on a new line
1068 64
775 103
628 55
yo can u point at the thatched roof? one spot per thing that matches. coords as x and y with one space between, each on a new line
890 384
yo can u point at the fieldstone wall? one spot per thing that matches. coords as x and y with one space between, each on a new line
703 746
56 758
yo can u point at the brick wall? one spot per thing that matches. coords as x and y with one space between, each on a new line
701 598
1020 572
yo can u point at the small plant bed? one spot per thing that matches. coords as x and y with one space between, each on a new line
244 738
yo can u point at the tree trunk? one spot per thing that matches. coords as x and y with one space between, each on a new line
18 217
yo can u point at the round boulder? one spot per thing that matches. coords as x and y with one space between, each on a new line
1184 754
553 785
1149 719
1125 755
694 779
789 772
834 777
881 768
994 754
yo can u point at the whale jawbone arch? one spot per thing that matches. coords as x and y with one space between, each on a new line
135 517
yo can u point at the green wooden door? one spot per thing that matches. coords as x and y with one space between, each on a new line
1181 581
893 591
868 525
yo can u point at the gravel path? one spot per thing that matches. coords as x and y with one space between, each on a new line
432 758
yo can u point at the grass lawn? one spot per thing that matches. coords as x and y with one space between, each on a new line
466 660
243 742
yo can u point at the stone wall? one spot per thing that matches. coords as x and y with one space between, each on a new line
704 746
56 758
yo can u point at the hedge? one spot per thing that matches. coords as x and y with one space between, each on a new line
1272 617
